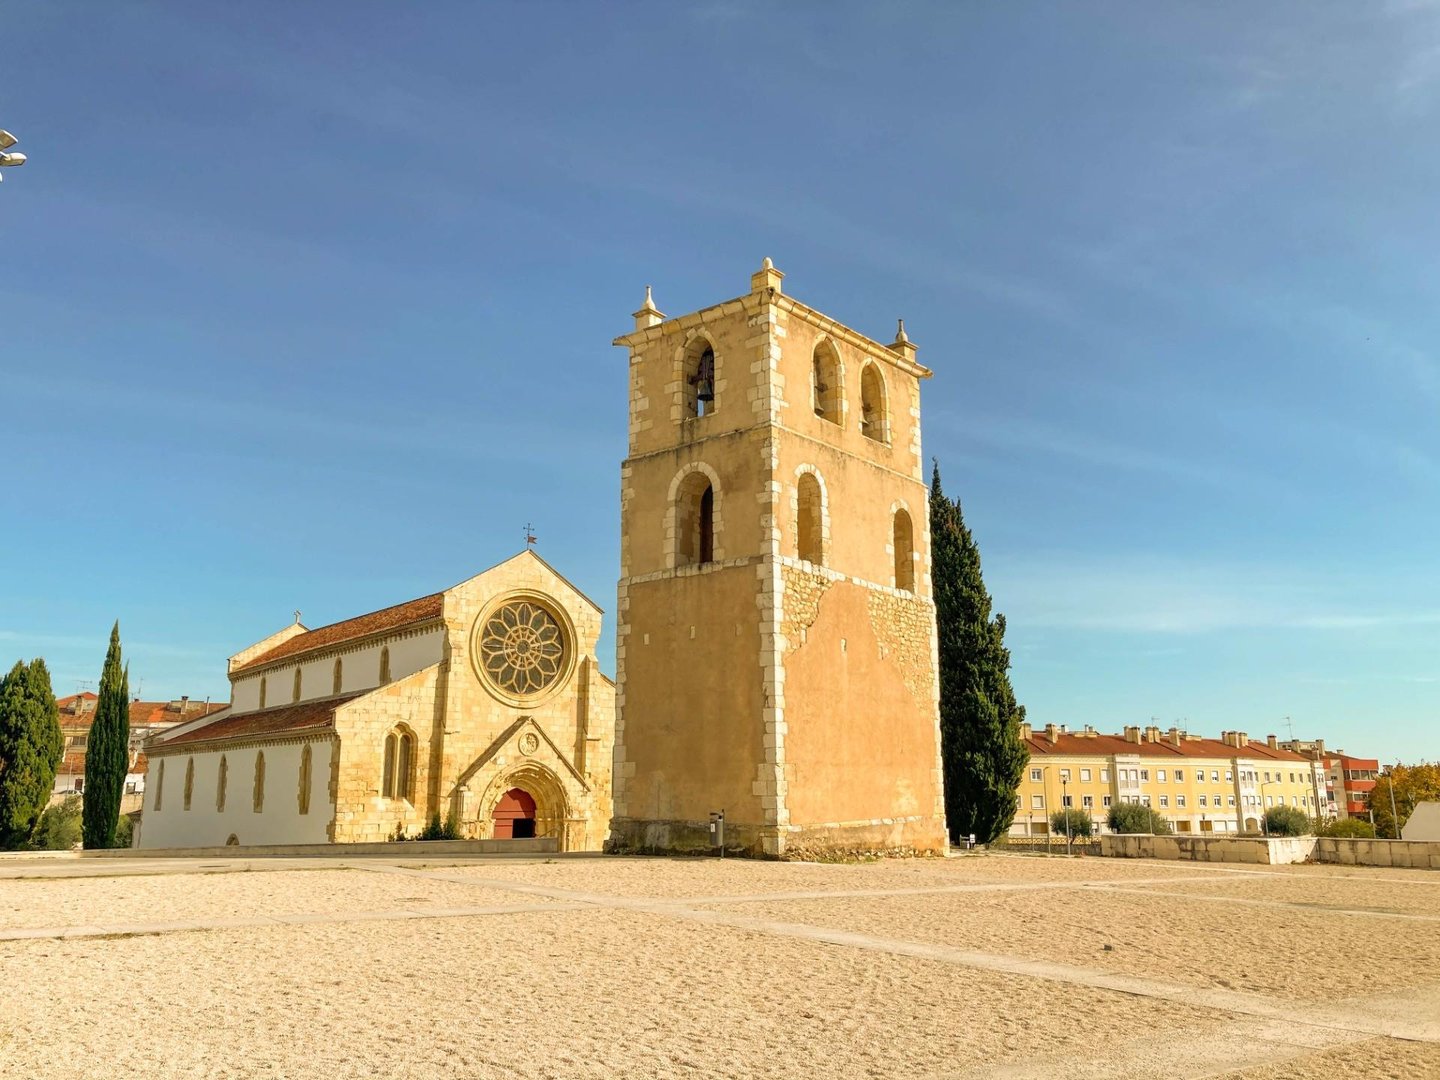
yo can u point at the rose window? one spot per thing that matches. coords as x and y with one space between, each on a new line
522 648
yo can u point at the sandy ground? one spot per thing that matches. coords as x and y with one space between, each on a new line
659 968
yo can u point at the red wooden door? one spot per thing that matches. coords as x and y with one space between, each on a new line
514 815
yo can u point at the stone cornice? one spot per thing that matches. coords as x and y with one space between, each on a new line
244 742
756 300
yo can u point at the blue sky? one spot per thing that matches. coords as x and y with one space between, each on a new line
309 306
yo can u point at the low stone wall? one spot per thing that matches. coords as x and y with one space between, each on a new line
420 849
1418 854
1273 851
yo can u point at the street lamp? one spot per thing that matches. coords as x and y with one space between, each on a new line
1264 821
9 159
1394 813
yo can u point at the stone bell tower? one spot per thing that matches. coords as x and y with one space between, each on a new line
776 633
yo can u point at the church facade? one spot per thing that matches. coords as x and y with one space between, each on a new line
776 648
483 703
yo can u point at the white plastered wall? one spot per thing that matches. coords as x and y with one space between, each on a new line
280 820
360 670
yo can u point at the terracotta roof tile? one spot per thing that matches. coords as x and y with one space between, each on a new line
1074 744
391 618
305 716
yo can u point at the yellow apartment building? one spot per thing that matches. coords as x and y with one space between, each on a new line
1201 785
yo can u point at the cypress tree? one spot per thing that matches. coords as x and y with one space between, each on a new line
107 753
30 749
984 757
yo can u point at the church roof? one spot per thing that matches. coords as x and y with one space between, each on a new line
283 720
391 618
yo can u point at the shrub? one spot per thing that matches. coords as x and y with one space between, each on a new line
124 832
1349 828
1286 821
1076 823
1134 817
59 826
435 830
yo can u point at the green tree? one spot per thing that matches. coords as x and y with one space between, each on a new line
30 749
1412 784
983 754
1349 828
1073 823
59 828
1134 817
1286 821
107 753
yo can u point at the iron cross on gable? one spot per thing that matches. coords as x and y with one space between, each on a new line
530 539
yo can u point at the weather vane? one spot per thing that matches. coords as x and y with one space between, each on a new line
530 539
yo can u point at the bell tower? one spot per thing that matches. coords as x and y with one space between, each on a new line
776 649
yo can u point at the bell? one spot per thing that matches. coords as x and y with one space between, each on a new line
704 389
705 377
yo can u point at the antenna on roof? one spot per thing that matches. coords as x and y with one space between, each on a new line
530 538
1290 727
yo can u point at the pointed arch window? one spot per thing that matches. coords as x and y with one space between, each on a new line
299 682
258 796
305 780
904 545
699 385
874 412
221 783
398 772
825 389
809 519
694 521
337 680
385 665
189 781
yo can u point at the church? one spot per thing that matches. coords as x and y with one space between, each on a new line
483 703
776 652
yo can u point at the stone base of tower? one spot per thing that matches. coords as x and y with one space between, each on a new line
897 836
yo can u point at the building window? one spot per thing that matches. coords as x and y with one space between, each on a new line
1160 776
694 512
1229 775
1164 800
903 540
189 781
699 379
1230 800
1180 801
1037 802
262 692
159 785
874 415
298 682
1214 776
1179 775
1064 774
305 780
1036 776
1144 800
221 782
1202 801
809 520
337 680
1067 801
1087 802
1145 775
385 665
825 382
1105 801
397 774
258 796
1104 776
